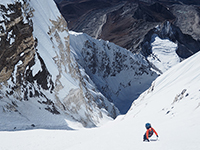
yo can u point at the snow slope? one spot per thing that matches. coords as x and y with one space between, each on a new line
166 45
163 54
171 105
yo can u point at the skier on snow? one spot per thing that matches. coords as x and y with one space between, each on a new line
149 132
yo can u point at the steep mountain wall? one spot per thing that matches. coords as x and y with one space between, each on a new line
37 69
120 75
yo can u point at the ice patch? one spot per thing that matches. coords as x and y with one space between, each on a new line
163 53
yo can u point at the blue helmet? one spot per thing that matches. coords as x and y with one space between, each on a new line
148 125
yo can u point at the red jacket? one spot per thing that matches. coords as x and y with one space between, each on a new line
150 131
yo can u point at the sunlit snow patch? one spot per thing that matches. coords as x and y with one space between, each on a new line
163 54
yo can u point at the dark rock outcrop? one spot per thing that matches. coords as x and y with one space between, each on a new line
153 13
18 55
128 25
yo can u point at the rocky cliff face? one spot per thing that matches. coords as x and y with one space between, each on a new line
188 17
127 22
19 53
127 26
38 69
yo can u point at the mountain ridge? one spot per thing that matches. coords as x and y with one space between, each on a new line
120 75
127 22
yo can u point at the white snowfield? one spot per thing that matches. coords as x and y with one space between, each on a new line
163 53
171 105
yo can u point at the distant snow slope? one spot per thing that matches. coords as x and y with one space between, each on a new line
171 105
163 54
119 74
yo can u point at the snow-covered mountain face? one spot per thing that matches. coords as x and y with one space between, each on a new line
40 81
163 54
172 105
120 75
